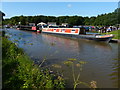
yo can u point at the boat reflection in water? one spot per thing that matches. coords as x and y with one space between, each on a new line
71 44
97 55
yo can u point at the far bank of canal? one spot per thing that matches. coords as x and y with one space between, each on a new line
101 58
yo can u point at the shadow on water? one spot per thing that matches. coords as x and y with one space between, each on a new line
102 65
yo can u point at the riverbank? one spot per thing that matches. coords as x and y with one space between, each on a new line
116 33
116 37
20 72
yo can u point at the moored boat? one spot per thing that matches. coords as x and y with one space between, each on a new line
30 28
77 33
105 38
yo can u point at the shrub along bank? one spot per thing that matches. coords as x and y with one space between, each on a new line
20 72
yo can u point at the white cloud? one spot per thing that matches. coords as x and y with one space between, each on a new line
69 5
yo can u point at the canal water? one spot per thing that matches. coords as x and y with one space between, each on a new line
99 61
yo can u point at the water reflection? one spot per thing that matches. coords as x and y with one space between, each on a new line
59 42
74 44
100 57
114 75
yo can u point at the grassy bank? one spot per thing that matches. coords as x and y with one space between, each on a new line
116 33
20 72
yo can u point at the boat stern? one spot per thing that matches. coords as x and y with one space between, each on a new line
104 37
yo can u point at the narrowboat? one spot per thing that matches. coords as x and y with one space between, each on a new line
30 28
78 33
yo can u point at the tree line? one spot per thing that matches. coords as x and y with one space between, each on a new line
102 20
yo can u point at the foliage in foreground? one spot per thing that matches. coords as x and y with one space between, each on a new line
20 72
74 64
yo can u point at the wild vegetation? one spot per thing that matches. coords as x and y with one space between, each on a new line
103 19
74 64
20 72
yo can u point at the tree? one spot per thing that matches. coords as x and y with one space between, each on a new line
23 20
103 19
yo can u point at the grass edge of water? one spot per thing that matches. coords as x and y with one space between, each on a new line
20 72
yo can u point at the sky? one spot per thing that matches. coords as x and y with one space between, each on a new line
57 8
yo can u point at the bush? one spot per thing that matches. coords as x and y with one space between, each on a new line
20 72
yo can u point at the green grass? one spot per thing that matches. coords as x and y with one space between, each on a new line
116 33
20 72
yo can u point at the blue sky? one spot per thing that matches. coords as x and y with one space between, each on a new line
57 8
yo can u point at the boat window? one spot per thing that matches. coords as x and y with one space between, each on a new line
73 30
63 29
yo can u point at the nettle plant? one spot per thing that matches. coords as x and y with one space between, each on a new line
73 64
